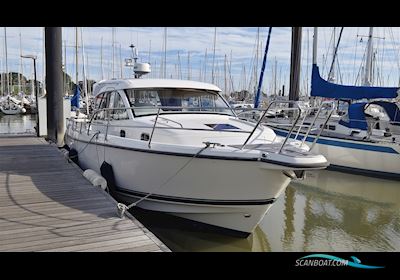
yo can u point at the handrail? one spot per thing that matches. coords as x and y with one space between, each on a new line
320 131
154 127
301 125
291 129
315 119
96 112
262 117
178 123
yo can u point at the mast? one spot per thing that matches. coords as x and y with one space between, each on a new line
276 67
179 67
232 89
2 77
101 59
113 52
256 64
212 69
331 75
368 65
5 52
120 58
315 43
67 89
188 67
295 64
256 99
225 84
165 54
76 57
150 51
84 74
20 65
205 66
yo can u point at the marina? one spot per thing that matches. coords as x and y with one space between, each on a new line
328 211
145 159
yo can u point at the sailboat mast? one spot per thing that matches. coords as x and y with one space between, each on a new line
315 43
65 68
295 64
165 53
101 59
368 65
257 97
212 69
188 66
5 52
331 76
113 52
225 84
179 74
20 64
256 62
85 87
2 77
205 66
120 59
76 56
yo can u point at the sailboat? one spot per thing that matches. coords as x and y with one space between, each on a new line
9 105
360 138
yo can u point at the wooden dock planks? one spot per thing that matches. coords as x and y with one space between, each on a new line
47 205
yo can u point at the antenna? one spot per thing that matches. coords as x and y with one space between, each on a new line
139 68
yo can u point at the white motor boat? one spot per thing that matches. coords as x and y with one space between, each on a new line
176 146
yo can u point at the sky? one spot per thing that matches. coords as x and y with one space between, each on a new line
190 53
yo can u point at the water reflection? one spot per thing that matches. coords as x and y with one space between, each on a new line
182 236
329 211
16 124
332 211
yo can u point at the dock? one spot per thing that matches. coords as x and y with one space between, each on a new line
46 205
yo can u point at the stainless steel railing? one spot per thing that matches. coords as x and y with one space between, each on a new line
107 118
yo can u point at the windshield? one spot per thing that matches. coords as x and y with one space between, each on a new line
192 101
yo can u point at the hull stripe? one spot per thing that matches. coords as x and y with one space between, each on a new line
197 201
343 144
365 172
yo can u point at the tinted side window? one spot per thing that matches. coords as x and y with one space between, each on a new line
119 112
103 103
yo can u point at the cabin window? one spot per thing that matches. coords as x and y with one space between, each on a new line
329 127
98 100
146 101
103 103
119 111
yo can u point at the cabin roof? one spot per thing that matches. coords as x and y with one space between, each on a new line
117 84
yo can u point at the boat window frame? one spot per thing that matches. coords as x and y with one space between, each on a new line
180 112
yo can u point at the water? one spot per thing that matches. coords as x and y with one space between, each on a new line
329 211
17 124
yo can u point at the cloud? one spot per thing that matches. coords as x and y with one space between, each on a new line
237 45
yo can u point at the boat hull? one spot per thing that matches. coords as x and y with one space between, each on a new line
357 157
10 111
220 195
